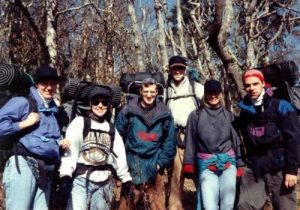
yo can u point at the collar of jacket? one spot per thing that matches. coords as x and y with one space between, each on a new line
248 106
161 110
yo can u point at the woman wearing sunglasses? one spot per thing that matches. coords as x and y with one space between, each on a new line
96 149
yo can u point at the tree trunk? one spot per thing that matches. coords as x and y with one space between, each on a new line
51 31
180 28
218 41
161 35
136 35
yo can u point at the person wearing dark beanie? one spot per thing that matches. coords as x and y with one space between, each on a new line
212 146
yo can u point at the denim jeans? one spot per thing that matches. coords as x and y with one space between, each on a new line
218 188
21 190
97 195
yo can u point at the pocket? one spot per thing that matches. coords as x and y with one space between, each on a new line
263 133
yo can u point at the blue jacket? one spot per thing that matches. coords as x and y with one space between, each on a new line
43 140
147 143
271 135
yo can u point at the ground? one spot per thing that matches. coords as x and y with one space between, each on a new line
189 196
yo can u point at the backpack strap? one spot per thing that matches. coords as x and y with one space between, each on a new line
32 108
86 126
192 93
112 133
32 104
195 99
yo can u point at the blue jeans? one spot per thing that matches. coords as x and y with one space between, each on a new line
21 190
218 187
98 195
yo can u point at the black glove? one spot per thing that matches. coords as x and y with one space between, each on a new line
128 191
65 187
189 175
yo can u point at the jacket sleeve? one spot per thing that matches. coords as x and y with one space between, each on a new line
11 114
69 160
190 148
291 136
237 146
120 162
121 123
168 148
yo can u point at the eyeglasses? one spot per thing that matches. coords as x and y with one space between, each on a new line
104 102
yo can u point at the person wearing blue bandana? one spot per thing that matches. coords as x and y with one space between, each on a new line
31 122
213 147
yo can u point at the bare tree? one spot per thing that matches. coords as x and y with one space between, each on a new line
161 35
136 35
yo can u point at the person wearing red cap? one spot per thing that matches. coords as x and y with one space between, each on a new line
271 137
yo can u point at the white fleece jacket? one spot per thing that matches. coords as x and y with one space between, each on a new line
69 161
182 107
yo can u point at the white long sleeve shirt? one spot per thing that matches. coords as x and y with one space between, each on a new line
69 161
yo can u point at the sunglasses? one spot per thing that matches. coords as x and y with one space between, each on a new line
104 102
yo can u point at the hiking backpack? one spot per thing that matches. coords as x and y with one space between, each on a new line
285 81
132 82
193 76
77 103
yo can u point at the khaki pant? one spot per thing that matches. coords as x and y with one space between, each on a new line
152 194
175 199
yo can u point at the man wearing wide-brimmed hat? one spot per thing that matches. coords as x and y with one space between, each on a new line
32 124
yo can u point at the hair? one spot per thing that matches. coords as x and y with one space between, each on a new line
148 84
205 104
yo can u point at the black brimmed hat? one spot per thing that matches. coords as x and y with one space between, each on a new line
99 91
177 60
45 72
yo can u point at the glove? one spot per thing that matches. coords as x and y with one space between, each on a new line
240 172
128 191
188 171
64 191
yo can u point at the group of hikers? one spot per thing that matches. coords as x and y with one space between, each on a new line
152 146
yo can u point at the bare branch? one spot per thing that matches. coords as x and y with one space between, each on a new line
74 9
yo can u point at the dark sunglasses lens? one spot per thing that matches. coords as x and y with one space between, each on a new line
103 102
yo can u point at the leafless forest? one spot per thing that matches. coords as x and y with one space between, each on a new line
97 40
